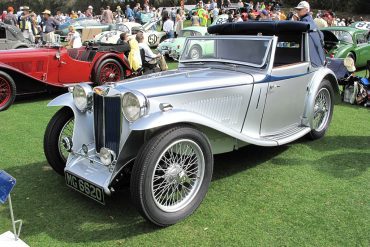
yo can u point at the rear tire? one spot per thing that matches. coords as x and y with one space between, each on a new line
60 125
171 175
323 110
109 70
8 91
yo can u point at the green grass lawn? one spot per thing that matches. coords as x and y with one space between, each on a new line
312 193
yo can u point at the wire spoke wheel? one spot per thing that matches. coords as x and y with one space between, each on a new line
322 109
67 131
5 91
110 72
178 175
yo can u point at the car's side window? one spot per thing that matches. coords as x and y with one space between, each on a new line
361 39
288 51
2 33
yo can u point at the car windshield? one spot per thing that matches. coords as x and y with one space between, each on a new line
343 36
189 33
244 50
122 28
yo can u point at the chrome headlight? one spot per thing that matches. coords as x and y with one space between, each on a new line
82 97
134 106
107 156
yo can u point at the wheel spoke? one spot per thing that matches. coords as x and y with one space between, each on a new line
177 175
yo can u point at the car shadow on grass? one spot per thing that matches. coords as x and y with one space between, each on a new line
49 207
347 156
23 99
245 158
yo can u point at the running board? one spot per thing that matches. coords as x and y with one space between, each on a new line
289 135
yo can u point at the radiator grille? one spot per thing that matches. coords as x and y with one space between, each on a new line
107 122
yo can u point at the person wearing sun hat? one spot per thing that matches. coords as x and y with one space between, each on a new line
48 24
317 53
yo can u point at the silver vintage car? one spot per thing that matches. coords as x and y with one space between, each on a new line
160 131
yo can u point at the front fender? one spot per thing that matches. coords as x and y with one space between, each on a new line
314 87
83 121
161 119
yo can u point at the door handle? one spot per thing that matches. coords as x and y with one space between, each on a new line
274 86
63 62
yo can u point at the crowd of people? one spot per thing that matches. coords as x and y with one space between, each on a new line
36 27
264 11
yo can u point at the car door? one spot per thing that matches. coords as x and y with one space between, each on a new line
285 98
362 49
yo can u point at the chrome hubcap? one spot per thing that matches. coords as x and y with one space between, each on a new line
322 109
178 175
67 131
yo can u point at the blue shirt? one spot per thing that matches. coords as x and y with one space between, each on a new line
129 13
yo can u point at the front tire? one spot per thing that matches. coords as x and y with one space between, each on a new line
110 70
323 110
7 91
171 175
60 126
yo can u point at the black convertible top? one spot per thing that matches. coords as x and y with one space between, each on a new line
255 27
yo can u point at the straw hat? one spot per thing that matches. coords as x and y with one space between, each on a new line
46 11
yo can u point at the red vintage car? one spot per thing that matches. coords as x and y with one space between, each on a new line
36 70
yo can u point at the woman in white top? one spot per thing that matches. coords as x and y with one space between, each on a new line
74 38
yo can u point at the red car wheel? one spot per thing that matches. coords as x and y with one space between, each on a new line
109 70
7 91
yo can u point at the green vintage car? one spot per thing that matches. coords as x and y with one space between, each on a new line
174 47
342 42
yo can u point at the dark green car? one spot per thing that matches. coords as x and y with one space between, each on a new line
342 42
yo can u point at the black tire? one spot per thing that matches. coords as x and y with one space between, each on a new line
51 139
8 91
320 132
106 66
195 49
144 170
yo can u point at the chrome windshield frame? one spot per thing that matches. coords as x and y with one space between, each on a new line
233 37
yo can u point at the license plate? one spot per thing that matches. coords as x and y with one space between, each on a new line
91 190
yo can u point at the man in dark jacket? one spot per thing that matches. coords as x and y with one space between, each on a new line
317 53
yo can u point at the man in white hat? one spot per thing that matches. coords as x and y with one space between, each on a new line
89 12
317 53
48 25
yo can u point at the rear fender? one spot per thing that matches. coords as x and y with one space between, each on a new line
312 90
123 62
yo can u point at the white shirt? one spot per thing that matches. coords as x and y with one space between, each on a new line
149 55
76 39
168 25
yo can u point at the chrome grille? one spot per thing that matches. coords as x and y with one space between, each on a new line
107 122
